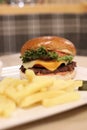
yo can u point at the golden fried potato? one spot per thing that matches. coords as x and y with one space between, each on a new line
7 106
36 89
61 99
38 97
19 92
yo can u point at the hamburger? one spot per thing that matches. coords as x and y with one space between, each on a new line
49 55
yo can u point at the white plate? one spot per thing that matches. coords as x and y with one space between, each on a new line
23 116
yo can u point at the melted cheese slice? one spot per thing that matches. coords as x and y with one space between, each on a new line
50 65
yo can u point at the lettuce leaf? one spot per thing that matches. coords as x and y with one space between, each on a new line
43 54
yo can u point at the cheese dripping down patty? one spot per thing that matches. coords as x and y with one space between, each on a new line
50 65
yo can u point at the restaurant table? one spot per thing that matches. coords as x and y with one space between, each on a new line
75 119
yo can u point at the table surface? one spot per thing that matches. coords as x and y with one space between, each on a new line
73 119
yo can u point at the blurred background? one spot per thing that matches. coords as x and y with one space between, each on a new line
21 20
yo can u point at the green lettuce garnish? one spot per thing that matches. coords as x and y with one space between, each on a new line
42 53
68 58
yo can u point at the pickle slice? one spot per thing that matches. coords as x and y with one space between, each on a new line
84 86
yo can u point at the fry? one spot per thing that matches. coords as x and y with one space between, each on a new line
61 99
37 97
67 85
7 106
29 75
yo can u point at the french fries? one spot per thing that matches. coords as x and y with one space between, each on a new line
61 99
38 97
44 90
18 94
7 106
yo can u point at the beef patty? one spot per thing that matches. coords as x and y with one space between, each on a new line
42 70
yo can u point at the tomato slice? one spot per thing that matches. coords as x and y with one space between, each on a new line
60 53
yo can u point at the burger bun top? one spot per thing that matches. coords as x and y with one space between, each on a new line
50 43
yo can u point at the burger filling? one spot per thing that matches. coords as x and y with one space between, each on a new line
42 70
47 61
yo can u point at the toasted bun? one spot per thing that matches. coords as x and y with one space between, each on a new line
50 43
60 75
